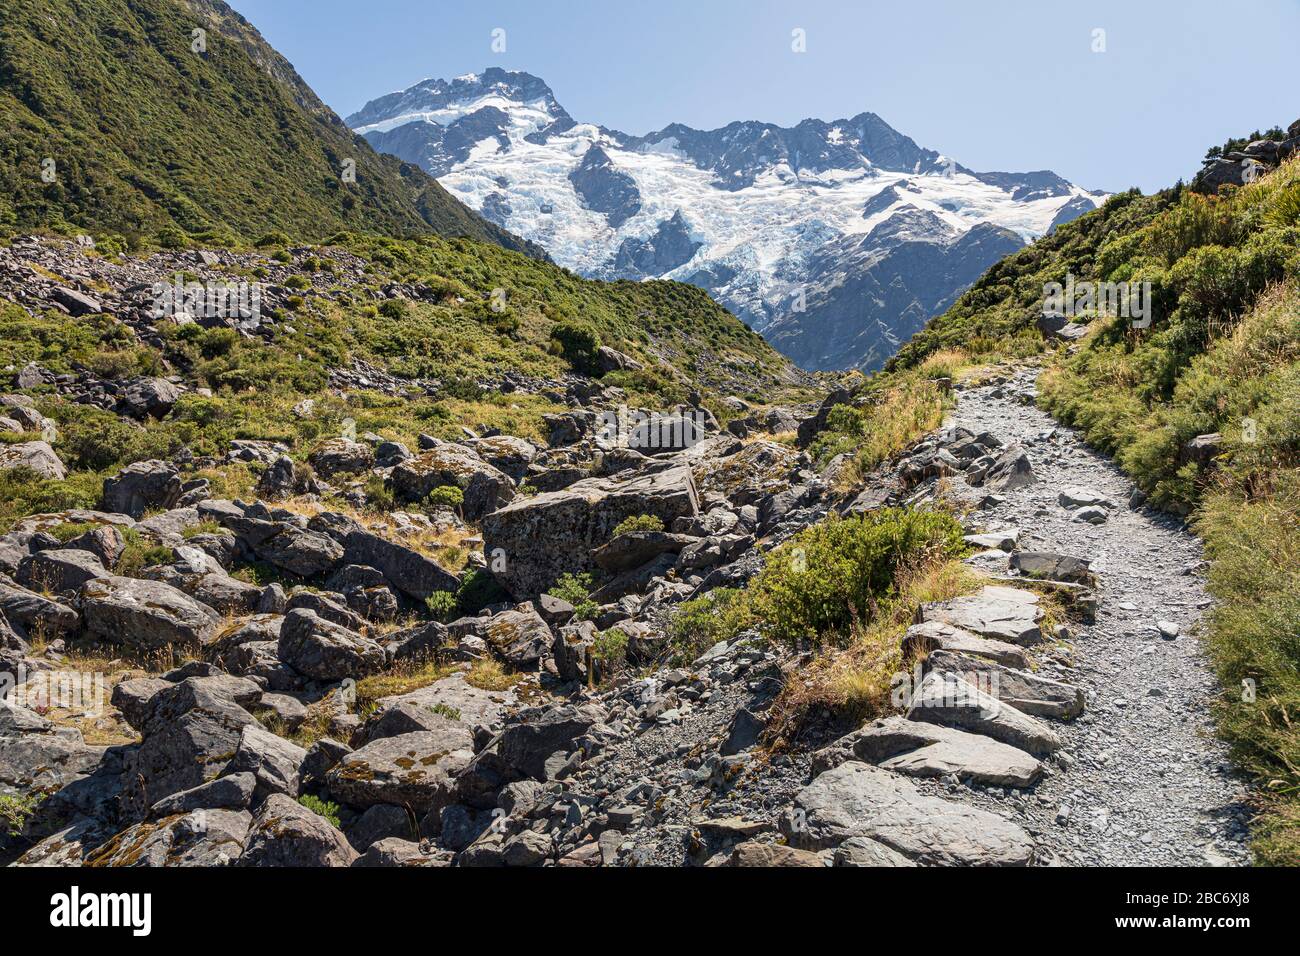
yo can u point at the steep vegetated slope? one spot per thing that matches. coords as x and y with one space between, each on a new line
1201 408
421 335
111 120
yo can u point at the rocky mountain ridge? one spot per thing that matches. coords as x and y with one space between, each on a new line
780 225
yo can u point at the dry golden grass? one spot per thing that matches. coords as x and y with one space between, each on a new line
447 546
488 674
856 682
400 679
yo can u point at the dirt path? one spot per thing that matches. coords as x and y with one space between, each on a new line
1149 784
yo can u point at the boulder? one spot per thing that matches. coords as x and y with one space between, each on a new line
519 637
341 456
525 746
948 700
203 837
864 852
633 549
1047 566
275 763
485 488
1024 690
1079 497
408 571
59 571
929 750
410 770
34 456
148 398
753 853
1000 613
145 614
140 487
303 553
933 636
285 833
233 792
1011 470
547 535
190 737
859 800
505 453
31 614
325 651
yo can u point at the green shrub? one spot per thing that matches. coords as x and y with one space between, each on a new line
446 496
395 309
832 575
576 589
323 808
478 590
442 605
697 625
579 343
297 283
14 811
638 523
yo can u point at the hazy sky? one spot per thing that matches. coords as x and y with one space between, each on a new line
1007 85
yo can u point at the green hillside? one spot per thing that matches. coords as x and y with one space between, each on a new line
143 136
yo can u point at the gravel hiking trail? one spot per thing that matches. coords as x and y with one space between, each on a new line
1149 783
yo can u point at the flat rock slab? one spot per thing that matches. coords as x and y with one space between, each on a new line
476 707
410 770
929 750
1024 690
936 635
996 540
952 702
1004 614
859 800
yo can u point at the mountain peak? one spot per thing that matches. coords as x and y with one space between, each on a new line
746 210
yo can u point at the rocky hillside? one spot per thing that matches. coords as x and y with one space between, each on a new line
116 116
836 239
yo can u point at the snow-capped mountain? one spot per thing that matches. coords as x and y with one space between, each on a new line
836 240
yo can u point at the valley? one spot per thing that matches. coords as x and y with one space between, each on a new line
547 496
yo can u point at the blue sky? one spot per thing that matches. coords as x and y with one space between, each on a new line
1005 85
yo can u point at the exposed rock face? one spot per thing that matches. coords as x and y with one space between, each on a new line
317 648
604 189
553 533
143 486
857 800
485 487
145 614
35 456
